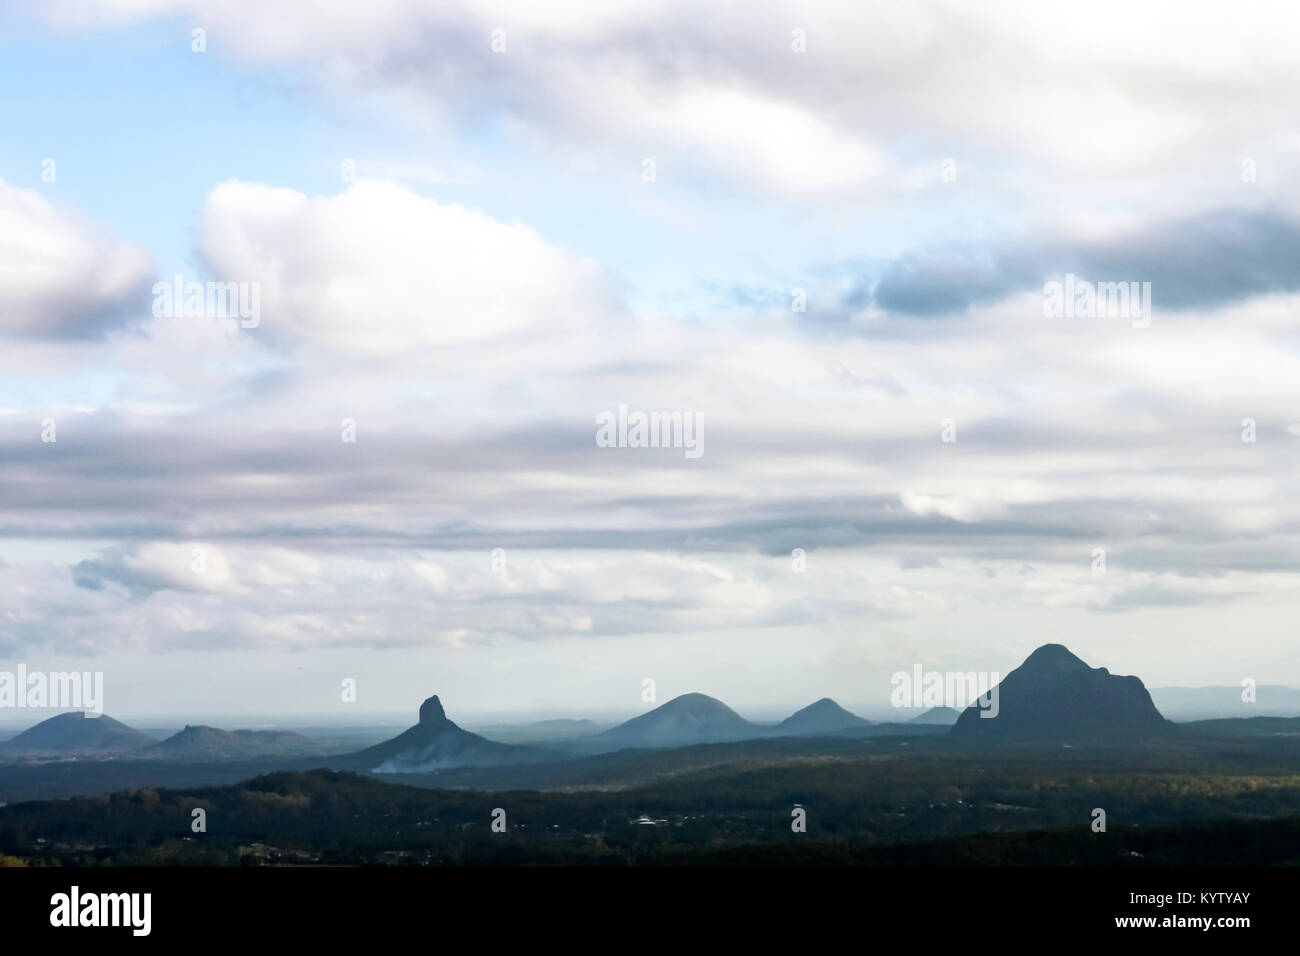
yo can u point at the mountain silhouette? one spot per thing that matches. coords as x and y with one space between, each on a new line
823 717
937 715
1055 695
688 719
75 734
435 743
202 744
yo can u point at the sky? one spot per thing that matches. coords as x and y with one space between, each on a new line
826 235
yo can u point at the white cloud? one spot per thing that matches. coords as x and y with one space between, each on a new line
196 566
958 507
379 269
59 276
1112 89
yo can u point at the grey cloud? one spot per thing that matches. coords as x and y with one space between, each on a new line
1203 261
96 574
110 479
72 315
1155 596
947 281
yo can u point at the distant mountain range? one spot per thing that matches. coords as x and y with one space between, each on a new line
1247 726
1054 695
560 730
701 719
1204 703
75 735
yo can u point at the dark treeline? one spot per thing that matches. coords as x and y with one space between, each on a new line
879 811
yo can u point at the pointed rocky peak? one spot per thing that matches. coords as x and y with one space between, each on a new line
431 711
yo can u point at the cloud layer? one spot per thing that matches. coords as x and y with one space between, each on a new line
904 457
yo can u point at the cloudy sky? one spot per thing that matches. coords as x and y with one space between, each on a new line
821 231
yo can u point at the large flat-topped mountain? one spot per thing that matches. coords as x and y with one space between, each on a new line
1055 695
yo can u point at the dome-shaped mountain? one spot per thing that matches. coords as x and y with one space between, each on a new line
1055 695
938 715
823 717
688 719
75 734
